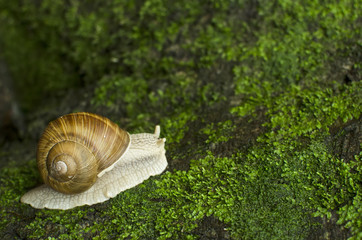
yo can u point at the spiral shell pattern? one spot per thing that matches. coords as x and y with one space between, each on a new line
76 148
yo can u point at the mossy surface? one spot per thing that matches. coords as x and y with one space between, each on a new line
260 102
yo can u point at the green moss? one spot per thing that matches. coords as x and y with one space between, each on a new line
350 214
13 182
220 132
295 49
262 194
303 112
172 63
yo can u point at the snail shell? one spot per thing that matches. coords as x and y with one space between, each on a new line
75 148
84 158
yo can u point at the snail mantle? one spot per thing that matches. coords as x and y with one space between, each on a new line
84 159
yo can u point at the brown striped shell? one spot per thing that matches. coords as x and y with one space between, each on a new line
76 148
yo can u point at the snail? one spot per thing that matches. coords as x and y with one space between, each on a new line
84 159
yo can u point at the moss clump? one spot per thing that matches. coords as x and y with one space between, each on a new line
262 194
282 62
13 182
350 213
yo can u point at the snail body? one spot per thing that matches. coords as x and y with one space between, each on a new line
84 159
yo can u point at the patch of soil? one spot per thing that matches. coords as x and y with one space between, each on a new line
211 228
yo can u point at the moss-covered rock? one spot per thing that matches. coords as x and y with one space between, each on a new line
260 102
